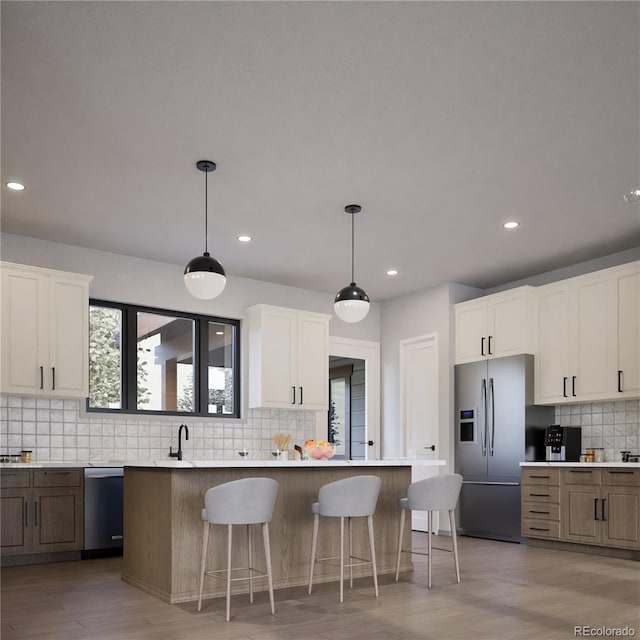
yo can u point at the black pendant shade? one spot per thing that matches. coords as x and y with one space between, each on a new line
352 302
204 276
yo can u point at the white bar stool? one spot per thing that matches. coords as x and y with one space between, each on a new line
349 498
247 501
440 493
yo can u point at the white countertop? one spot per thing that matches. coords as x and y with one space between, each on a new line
221 464
625 465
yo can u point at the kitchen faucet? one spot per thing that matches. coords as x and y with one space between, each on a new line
178 453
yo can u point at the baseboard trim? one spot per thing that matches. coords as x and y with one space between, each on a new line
611 552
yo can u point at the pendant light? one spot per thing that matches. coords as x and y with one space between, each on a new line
352 303
204 276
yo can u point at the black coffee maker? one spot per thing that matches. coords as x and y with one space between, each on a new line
562 444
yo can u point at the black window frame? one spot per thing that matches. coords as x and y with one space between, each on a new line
129 392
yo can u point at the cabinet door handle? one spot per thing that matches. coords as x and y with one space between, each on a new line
564 387
42 377
595 508
35 513
573 386
604 519
294 395
482 346
53 377
432 447
620 381
489 345
300 395
26 514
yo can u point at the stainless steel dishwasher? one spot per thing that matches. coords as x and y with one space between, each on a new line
102 511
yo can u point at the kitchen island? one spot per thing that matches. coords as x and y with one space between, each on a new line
163 529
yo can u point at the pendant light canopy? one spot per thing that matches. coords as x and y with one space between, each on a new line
204 276
352 302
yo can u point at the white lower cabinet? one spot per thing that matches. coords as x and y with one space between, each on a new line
45 325
288 358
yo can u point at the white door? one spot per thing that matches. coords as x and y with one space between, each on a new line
419 409
370 353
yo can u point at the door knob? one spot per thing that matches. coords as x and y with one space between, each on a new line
370 443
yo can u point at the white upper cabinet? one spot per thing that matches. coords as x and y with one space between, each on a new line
588 330
288 358
625 334
502 324
45 329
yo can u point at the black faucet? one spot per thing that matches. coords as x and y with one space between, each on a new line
178 453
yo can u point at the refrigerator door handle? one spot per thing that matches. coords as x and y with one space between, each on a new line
493 416
483 432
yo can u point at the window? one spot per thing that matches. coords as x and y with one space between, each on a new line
145 360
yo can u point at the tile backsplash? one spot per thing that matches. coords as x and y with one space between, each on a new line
62 431
612 426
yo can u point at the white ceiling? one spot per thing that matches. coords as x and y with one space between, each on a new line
442 119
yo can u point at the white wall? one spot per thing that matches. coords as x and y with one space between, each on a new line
159 284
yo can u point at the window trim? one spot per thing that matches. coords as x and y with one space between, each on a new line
129 391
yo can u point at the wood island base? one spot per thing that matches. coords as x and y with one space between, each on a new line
163 529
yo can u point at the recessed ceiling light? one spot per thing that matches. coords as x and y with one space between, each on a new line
633 196
15 186
244 238
512 224
392 272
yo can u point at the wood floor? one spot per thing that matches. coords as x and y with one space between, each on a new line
508 591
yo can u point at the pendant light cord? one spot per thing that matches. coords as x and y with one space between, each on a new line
352 248
206 207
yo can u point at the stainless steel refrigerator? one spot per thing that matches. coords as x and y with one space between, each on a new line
497 427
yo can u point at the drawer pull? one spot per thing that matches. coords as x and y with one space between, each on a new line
538 529
621 472
57 473
539 495
542 512
541 477
580 471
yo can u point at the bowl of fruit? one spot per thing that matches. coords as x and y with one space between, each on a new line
319 449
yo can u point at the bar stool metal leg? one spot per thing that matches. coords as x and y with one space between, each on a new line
314 542
372 549
267 555
429 527
350 556
342 559
250 565
402 517
454 539
229 547
203 562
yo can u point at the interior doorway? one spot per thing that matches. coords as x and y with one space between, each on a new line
347 407
354 392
